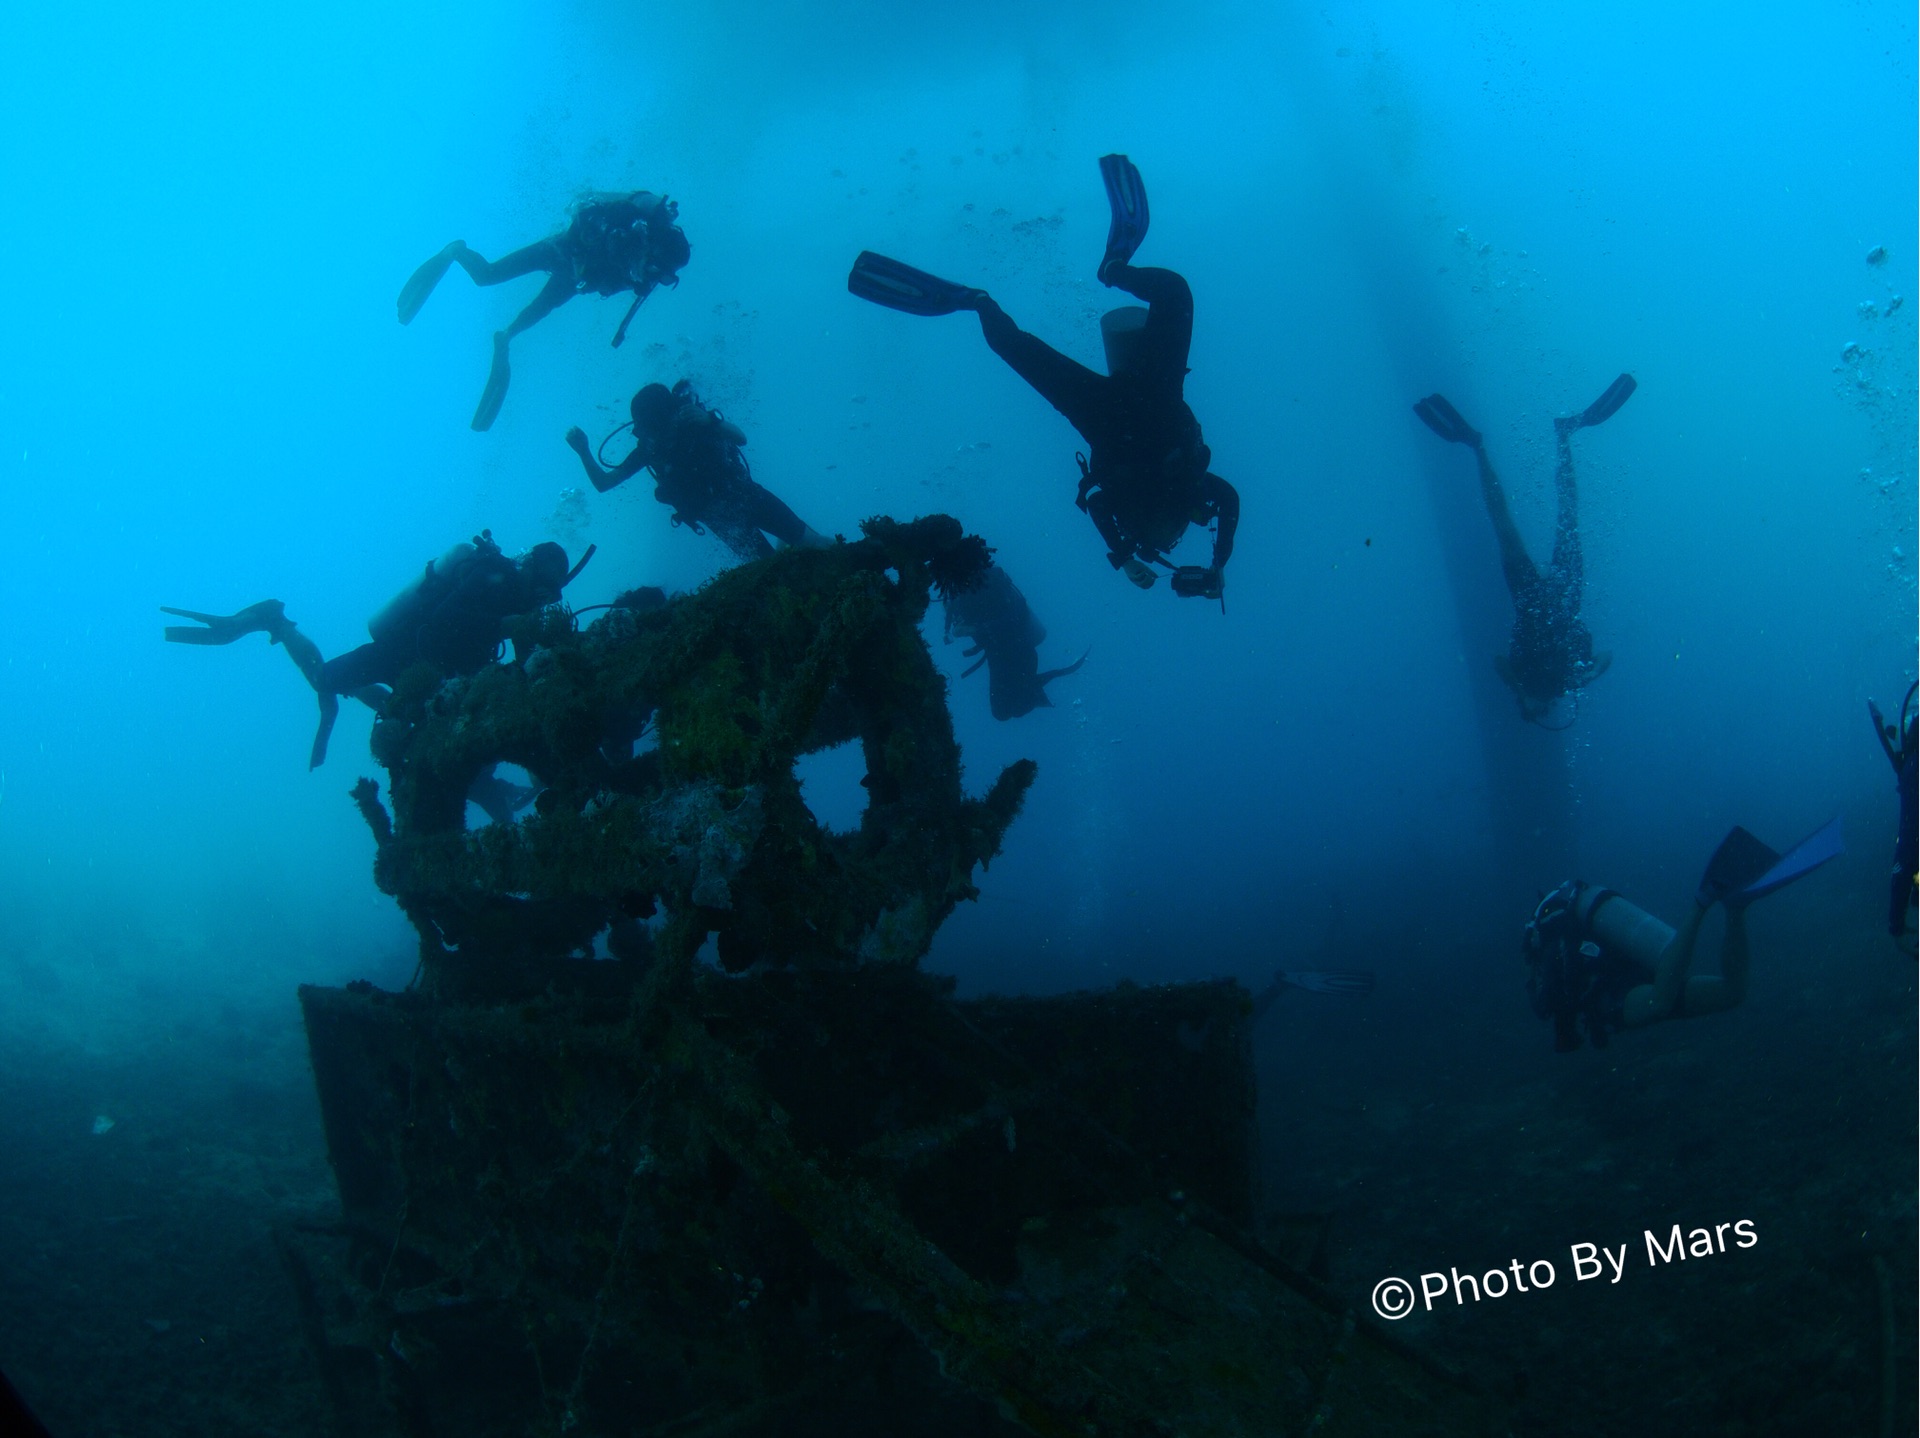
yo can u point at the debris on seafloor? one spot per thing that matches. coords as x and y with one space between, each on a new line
801 1190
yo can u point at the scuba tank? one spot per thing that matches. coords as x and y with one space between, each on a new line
1623 928
413 604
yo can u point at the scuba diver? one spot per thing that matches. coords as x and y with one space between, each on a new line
1897 742
1603 964
995 615
1147 479
452 617
699 472
1551 653
612 244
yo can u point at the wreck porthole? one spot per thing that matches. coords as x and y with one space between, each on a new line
830 784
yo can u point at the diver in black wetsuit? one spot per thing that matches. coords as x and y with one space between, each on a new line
452 617
995 615
1147 477
1551 652
1901 745
699 472
612 244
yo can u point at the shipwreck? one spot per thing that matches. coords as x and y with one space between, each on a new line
672 1136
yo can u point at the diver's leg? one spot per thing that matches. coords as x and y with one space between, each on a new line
555 293
1520 573
541 255
739 534
304 653
1066 384
1712 993
1169 308
1649 1003
355 670
766 511
329 711
1567 562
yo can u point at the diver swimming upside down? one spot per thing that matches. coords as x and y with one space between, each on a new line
1551 651
1147 477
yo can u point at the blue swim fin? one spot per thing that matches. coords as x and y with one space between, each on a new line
1743 869
1127 198
902 287
1803 858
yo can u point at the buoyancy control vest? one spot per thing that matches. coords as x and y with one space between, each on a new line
408 609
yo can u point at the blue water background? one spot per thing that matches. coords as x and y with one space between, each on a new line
205 400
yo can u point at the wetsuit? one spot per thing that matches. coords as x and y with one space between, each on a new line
1146 477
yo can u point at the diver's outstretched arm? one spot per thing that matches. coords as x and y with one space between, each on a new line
604 479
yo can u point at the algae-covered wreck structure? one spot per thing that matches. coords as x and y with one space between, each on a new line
671 1136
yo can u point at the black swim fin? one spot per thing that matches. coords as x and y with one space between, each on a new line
902 287
424 280
1607 406
495 394
266 617
1127 198
1740 859
1439 415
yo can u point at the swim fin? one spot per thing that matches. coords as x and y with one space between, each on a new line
1743 869
424 280
1607 406
902 287
495 394
1803 858
1738 862
1127 198
267 616
1439 415
1316 982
